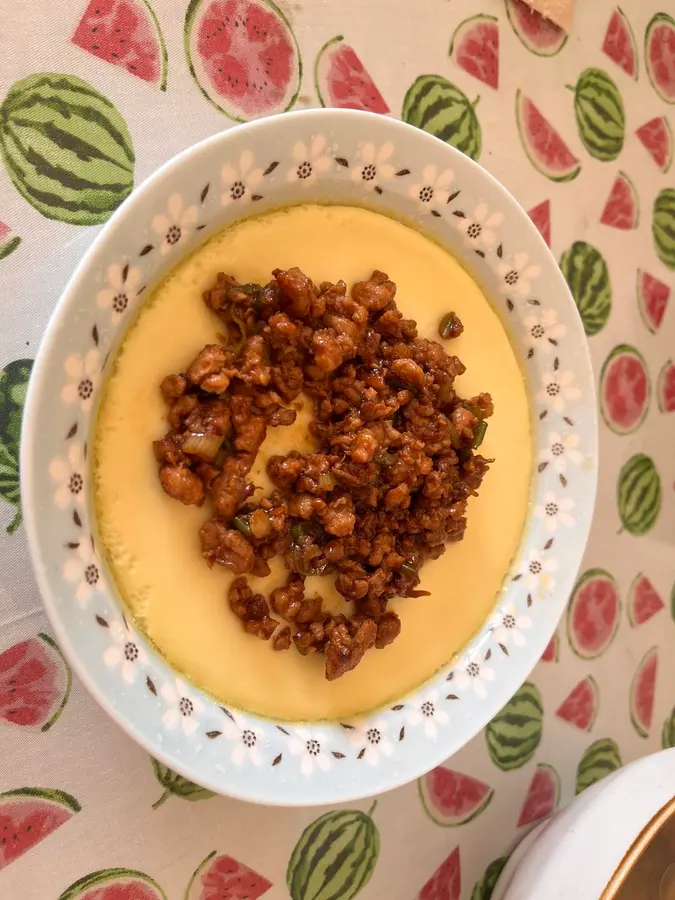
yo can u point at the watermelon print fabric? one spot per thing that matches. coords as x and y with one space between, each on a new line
580 130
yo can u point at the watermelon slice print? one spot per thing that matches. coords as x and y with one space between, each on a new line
220 876
484 888
580 707
657 139
552 650
665 387
8 244
642 690
35 683
543 145
445 883
624 389
341 79
659 55
643 601
541 216
620 44
652 297
125 33
539 34
114 884
593 614
475 48
542 796
451 798
243 56
621 209
28 816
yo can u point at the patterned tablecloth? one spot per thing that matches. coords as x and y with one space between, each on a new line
79 796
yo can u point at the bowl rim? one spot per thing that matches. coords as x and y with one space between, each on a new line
30 426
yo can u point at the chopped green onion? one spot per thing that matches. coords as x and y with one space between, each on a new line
206 446
241 523
385 459
450 326
407 568
454 436
480 434
296 531
326 482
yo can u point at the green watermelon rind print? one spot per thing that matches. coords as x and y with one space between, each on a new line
9 246
108 876
514 734
598 761
176 785
455 123
668 731
335 856
587 277
638 495
483 888
663 227
600 114
66 148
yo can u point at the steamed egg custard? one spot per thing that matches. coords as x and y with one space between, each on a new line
152 542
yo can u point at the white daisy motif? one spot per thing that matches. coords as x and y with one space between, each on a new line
68 475
240 181
558 389
120 288
479 228
433 190
471 675
425 711
123 653
516 274
83 373
180 710
83 567
560 450
174 226
556 510
371 739
542 330
508 626
373 166
538 571
246 742
310 161
311 747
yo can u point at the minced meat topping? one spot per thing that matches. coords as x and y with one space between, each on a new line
386 487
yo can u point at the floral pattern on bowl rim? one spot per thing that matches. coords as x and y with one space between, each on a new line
354 158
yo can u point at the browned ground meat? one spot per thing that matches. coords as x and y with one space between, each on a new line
386 487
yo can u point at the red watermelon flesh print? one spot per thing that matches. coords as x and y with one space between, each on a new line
342 80
475 48
445 883
221 877
541 216
35 683
666 387
644 602
114 884
539 34
657 138
580 707
544 146
551 652
660 55
593 614
542 796
451 798
653 296
642 690
28 816
243 56
624 389
621 209
620 44
125 33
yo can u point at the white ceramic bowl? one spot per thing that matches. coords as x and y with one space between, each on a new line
316 155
